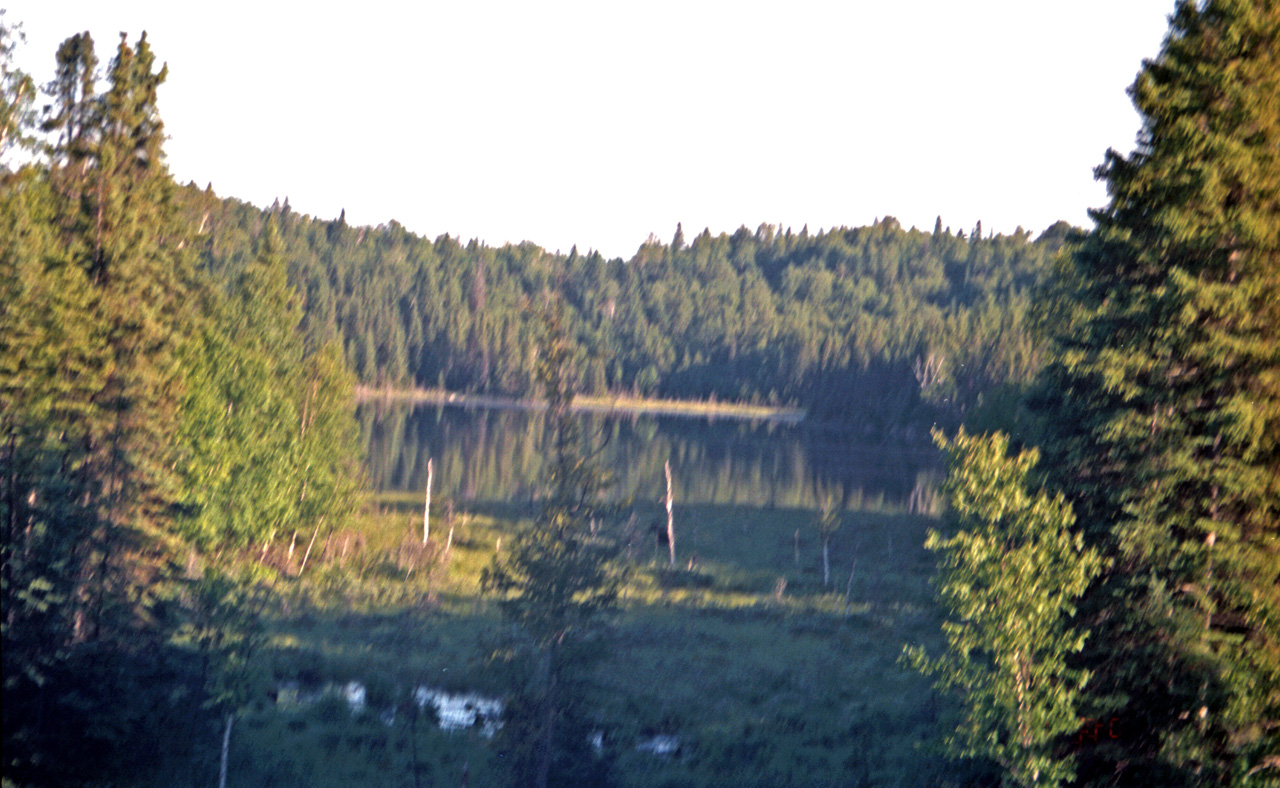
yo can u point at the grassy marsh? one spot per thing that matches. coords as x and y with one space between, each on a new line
766 677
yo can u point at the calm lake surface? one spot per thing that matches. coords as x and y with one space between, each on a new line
496 456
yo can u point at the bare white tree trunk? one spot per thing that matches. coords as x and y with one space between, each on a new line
426 507
310 544
671 525
848 587
266 545
826 562
226 748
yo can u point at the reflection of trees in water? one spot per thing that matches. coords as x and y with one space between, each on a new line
496 455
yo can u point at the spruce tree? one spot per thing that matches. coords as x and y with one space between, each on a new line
559 585
53 362
123 230
1162 412
123 377
91 289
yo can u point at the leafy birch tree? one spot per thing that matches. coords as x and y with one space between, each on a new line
266 424
1010 574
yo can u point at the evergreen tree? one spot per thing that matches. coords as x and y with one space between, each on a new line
559 585
1162 411
94 280
126 235
100 209
138 405
71 117
53 362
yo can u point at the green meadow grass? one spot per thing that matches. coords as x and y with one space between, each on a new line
766 677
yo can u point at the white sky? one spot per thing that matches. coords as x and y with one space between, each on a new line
597 123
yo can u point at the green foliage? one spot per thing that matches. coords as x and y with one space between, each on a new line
558 585
1008 580
52 363
93 282
108 332
268 425
225 629
109 215
899 326
558 578
17 93
1161 410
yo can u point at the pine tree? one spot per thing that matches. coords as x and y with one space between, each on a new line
1162 411
71 117
99 209
125 378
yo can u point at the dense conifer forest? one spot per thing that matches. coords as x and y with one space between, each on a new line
880 324
198 588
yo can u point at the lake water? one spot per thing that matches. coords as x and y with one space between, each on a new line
486 455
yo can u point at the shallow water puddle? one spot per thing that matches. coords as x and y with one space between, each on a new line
463 710
454 711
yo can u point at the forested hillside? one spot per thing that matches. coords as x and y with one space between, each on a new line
882 324
187 548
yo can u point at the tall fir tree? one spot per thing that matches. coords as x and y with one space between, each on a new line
94 279
53 362
122 229
1162 412
559 585
138 405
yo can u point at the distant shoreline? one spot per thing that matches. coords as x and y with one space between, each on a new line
586 404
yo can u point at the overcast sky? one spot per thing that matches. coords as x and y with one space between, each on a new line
598 123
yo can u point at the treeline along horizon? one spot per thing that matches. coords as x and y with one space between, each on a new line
878 324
